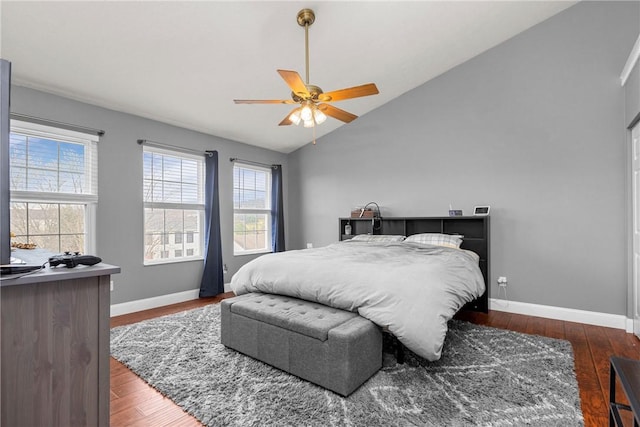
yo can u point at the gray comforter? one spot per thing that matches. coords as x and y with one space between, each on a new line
411 289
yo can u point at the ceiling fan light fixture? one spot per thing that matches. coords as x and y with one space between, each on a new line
319 116
309 123
306 113
295 117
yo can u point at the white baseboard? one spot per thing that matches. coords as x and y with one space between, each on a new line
159 301
148 303
617 321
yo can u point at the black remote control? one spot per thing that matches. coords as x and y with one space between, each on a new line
73 260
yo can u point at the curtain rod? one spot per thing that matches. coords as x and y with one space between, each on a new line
172 147
68 126
251 162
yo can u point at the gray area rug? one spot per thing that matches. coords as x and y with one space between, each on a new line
486 376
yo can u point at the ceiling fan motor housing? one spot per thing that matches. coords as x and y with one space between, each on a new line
314 93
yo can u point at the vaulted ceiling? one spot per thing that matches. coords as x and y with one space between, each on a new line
183 62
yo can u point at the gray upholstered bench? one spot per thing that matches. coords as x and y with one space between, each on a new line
336 349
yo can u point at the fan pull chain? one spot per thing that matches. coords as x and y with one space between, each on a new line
314 132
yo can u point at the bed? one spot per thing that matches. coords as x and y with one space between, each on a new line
410 287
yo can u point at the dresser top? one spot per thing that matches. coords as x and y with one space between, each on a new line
49 274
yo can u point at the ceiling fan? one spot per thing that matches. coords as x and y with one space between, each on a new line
313 106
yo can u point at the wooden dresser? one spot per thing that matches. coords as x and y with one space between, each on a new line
55 347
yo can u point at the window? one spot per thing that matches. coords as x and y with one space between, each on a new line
54 187
251 209
173 191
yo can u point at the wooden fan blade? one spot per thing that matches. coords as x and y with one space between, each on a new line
287 121
295 82
264 101
337 113
352 92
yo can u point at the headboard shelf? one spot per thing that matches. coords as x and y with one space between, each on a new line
475 230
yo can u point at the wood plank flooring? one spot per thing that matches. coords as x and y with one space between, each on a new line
134 403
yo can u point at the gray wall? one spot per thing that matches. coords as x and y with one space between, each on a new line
533 127
631 117
120 212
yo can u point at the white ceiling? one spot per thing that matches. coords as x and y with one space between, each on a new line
183 62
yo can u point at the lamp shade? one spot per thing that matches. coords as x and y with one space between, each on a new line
295 117
319 116
306 113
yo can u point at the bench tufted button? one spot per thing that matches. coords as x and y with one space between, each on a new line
303 312
321 317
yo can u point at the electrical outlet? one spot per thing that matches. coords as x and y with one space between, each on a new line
225 270
309 245
502 281
111 285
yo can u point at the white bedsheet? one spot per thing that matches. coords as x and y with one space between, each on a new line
411 289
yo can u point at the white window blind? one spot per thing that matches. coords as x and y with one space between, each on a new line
251 209
173 194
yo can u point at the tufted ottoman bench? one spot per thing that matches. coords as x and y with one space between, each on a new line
336 349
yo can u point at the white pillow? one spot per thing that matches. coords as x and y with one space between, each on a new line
438 239
377 238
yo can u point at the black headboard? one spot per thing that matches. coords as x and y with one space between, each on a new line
475 230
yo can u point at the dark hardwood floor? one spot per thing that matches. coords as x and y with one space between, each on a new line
134 403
